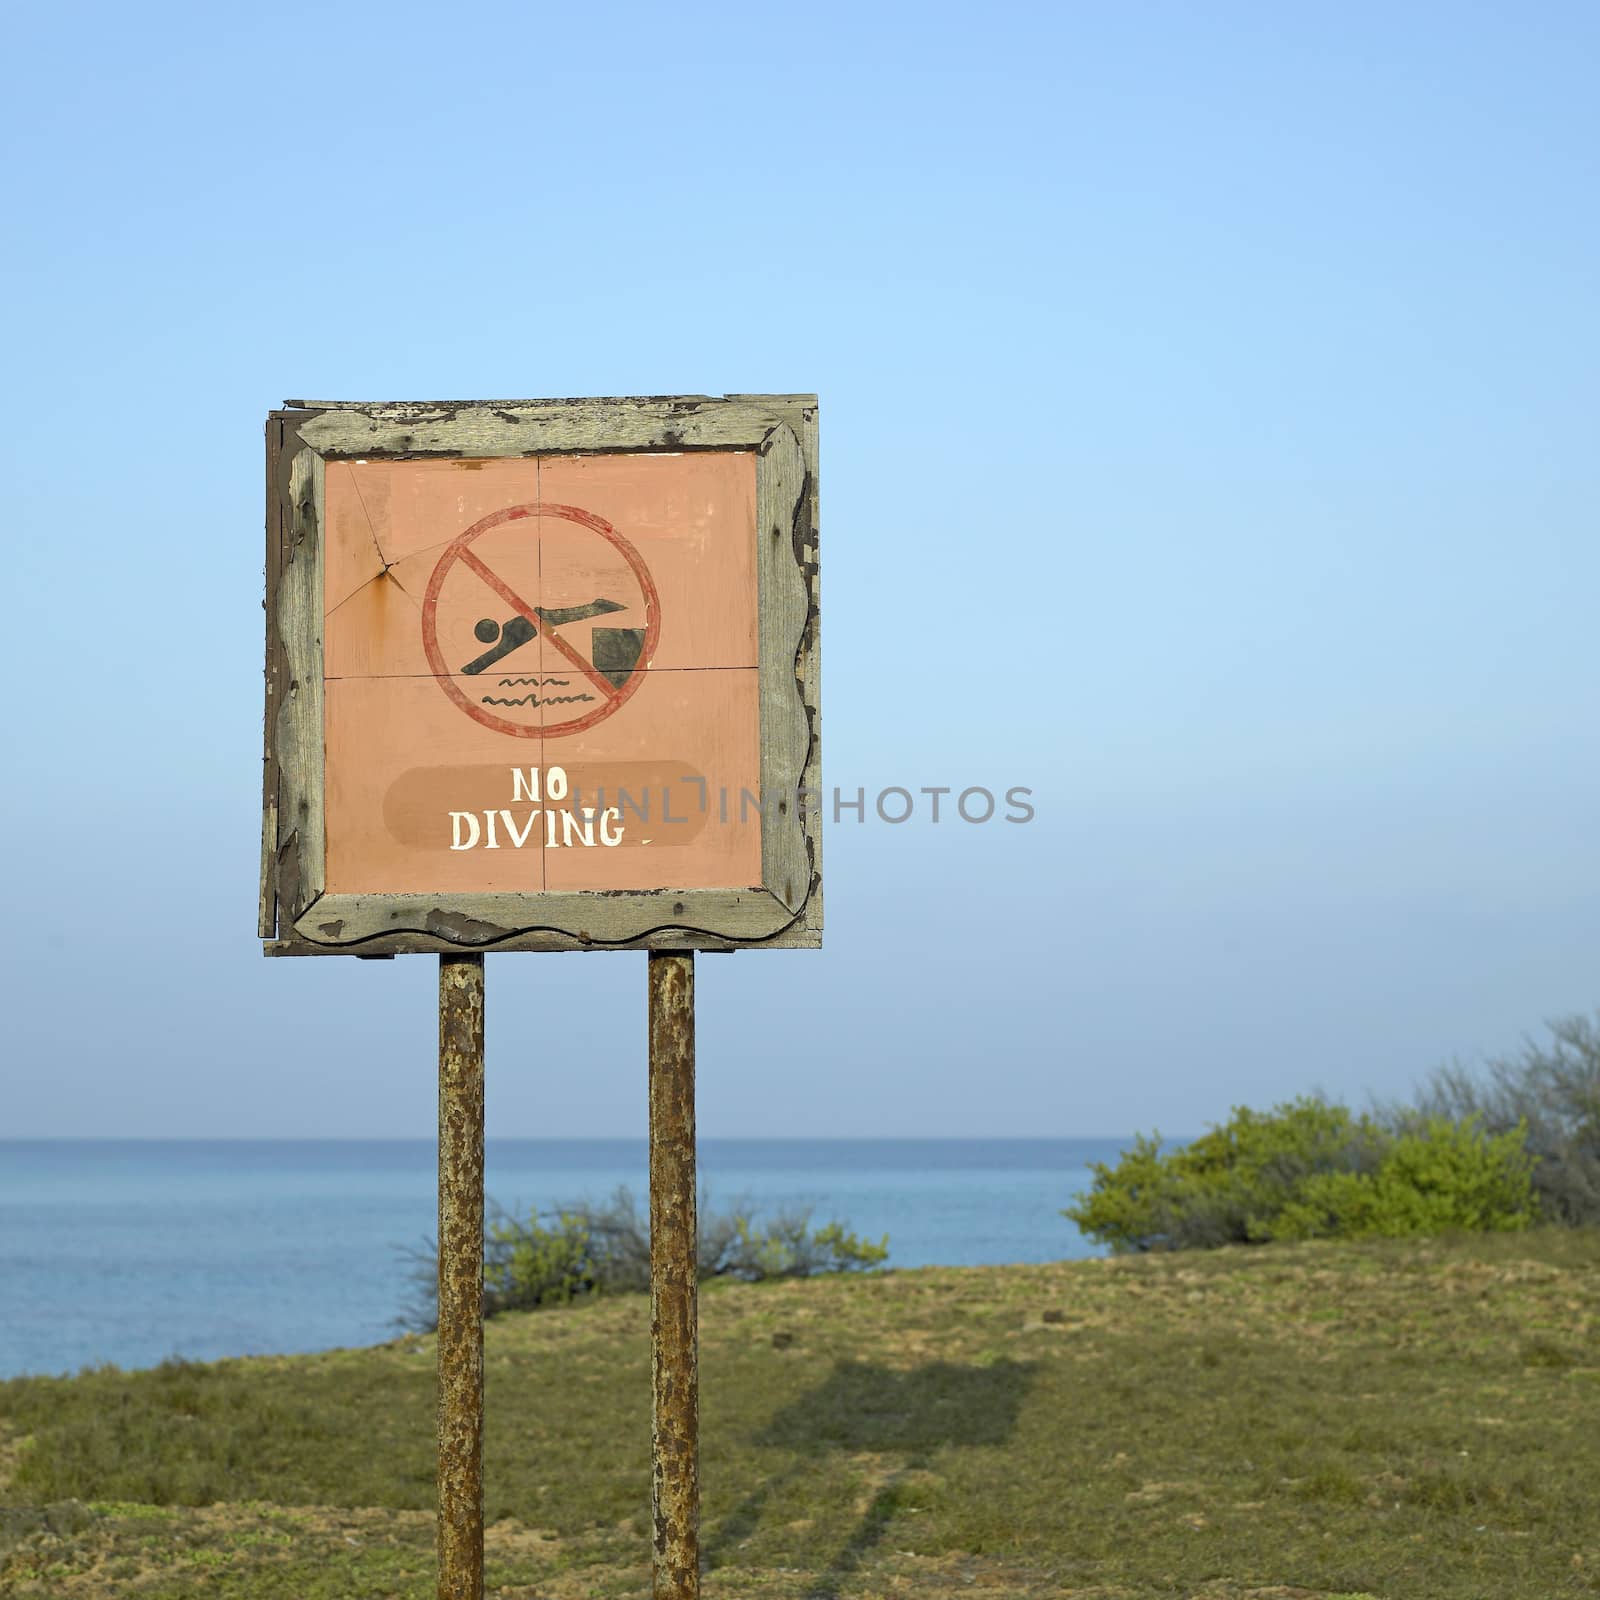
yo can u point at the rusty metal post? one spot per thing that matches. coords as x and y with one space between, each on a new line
674 1329
460 1528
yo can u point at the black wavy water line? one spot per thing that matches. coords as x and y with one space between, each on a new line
534 700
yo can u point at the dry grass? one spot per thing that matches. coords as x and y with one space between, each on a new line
1413 1422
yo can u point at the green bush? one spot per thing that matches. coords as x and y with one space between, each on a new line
1445 1175
1308 1169
530 1262
1227 1186
788 1247
527 1265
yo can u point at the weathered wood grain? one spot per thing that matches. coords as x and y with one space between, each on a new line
298 742
272 686
484 921
534 427
808 664
784 606
797 936
782 401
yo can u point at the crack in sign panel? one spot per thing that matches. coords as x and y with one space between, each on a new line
386 567
415 555
361 588
355 483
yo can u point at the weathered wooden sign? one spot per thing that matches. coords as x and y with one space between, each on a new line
541 675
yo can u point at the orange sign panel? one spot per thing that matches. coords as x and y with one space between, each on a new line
541 673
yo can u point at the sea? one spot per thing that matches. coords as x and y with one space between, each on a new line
133 1252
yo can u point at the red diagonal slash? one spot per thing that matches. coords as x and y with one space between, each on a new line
512 598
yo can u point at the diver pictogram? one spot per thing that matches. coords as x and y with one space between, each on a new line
560 671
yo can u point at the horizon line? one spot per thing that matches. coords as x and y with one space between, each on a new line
553 1138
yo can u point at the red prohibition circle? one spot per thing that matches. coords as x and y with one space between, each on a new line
459 549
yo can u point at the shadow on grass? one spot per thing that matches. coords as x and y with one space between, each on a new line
866 1409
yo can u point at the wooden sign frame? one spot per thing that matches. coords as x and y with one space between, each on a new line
297 916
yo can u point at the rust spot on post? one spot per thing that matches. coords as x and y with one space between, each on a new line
675 1372
460 1529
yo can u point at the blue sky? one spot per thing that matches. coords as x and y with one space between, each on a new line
1238 363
